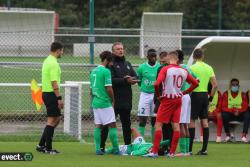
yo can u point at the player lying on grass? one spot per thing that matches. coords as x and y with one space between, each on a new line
139 147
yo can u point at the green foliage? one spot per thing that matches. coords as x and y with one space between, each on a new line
239 12
198 14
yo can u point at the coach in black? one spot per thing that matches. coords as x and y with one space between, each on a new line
51 78
123 76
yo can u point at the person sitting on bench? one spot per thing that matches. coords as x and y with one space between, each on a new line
234 107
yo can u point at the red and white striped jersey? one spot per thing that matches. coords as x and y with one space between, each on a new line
172 78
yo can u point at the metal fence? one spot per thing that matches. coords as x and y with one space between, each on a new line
21 64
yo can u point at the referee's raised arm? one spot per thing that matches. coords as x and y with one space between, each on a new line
199 98
51 78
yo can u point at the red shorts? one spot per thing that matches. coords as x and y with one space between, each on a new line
169 111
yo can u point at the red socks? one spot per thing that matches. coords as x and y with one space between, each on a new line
219 126
157 140
174 142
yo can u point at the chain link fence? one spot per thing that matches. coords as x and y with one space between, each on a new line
22 63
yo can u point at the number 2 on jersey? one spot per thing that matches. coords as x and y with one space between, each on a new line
178 81
143 110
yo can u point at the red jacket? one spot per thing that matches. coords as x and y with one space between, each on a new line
225 108
247 95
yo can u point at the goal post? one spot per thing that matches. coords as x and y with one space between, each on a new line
26 33
19 119
73 110
161 31
74 107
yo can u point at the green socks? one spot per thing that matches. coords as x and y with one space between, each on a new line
141 129
114 138
187 144
112 135
97 138
182 144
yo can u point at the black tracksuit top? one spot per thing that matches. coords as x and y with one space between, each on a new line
122 89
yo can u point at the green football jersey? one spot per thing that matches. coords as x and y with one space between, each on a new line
185 84
100 77
143 148
147 74
139 149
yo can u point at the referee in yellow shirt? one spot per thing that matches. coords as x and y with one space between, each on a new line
200 100
51 78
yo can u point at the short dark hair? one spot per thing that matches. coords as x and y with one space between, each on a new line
151 52
56 46
163 54
234 80
106 55
180 55
198 54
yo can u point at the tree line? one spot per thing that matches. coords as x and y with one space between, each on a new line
198 14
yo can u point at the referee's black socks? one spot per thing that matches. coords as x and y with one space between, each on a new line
49 136
205 139
191 134
43 137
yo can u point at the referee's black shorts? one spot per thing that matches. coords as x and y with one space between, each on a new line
51 103
199 105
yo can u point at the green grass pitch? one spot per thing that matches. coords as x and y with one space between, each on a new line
78 155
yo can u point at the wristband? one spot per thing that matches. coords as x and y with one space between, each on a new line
59 97
210 98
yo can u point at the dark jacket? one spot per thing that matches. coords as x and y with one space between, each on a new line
122 89
156 101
